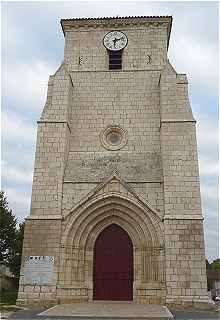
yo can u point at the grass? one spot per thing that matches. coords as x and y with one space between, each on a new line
7 300
8 297
8 308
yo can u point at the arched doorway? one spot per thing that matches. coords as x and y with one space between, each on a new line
113 265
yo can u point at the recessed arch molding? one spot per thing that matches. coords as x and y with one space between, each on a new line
145 229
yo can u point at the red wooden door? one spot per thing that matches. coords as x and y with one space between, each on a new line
113 265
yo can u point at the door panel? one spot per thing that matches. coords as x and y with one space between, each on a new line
113 265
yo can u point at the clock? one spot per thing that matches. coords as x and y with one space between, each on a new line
115 40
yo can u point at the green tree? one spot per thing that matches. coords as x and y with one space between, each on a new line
15 261
215 264
7 231
11 237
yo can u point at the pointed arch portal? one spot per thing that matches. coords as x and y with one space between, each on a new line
112 249
113 265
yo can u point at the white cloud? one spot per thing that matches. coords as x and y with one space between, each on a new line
16 175
11 35
27 83
207 131
212 237
15 128
200 62
209 193
208 167
212 232
19 201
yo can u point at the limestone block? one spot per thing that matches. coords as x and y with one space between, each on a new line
157 200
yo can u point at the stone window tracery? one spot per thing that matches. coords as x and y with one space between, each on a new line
113 138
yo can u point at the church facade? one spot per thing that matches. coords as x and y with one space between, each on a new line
116 209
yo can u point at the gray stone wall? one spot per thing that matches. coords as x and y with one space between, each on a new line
128 99
41 238
185 261
149 186
184 242
146 49
52 147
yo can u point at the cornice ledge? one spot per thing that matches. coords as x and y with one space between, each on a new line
182 217
53 121
44 217
177 120
68 25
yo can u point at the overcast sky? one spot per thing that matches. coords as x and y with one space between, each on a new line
32 49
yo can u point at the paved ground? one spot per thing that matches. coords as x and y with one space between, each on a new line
195 315
104 309
178 315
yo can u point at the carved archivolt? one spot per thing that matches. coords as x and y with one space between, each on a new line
83 227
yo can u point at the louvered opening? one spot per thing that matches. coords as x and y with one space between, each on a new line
115 60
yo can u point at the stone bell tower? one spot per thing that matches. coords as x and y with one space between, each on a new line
115 211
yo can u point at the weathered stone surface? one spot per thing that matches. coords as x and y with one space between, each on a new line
132 167
149 186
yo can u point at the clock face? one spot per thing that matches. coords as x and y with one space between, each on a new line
115 40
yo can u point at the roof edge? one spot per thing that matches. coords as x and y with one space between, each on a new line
113 21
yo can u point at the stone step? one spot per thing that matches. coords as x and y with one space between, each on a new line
109 310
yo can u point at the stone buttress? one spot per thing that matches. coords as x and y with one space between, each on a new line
115 147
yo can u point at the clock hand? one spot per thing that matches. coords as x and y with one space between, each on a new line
114 41
118 39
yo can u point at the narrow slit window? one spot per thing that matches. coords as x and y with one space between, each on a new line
115 60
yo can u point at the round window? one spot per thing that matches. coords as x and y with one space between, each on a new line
113 138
